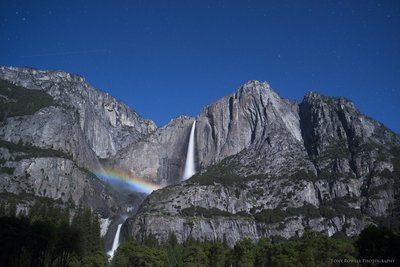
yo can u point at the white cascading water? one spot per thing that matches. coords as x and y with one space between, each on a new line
189 169
115 242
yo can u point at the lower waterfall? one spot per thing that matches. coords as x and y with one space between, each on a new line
115 242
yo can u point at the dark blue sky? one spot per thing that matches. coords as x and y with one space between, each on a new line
166 58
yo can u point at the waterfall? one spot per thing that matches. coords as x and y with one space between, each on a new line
115 243
189 169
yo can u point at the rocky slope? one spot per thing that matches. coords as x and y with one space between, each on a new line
54 128
266 165
107 124
252 118
276 167
159 157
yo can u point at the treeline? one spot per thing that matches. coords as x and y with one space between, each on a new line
47 237
312 249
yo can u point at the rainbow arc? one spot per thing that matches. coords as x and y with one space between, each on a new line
123 179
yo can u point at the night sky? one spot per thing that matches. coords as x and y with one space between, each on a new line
167 58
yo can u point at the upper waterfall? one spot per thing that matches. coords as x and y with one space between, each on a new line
189 169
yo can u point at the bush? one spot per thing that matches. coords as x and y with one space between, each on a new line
132 253
224 173
303 175
203 212
278 214
378 243
31 151
221 173
19 101
7 170
340 207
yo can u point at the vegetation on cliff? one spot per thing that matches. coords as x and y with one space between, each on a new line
18 101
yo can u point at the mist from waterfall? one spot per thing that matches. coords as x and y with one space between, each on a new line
189 169
115 242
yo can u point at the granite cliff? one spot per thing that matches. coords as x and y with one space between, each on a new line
107 124
266 166
251 119
55 128
273 167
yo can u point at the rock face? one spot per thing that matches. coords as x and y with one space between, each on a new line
266 166
252 118
275 167
255 118
52 151
107 124
160 157
254 122
54 128
59 179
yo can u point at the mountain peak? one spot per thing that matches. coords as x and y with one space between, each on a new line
252 85
257 83
260 90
